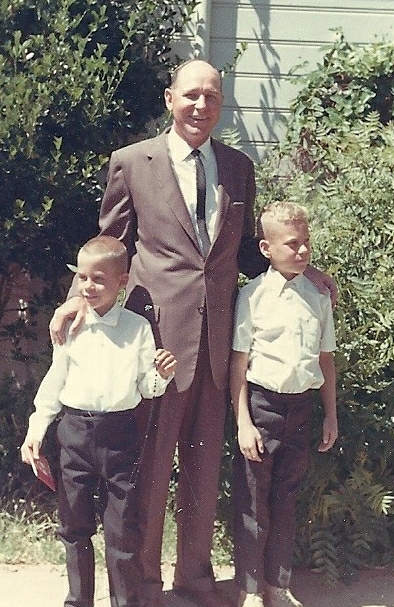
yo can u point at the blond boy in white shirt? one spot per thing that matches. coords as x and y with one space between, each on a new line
97 379
282 351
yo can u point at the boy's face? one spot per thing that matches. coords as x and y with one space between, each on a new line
99 281
287 246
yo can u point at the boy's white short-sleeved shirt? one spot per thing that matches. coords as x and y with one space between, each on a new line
283 326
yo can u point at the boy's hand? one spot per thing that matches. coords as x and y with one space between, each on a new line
250 442
165 363
76 308
330 434
30 450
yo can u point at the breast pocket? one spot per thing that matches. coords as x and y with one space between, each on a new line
309 331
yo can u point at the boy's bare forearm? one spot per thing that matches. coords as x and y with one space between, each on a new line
249 439
238 386
328 389
328 395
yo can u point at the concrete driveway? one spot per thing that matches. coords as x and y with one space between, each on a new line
46 586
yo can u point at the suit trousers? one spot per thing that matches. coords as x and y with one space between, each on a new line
265 492
97 452
194 421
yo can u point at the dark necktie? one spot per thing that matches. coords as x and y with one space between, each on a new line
201 195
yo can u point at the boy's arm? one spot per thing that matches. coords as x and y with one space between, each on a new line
249 438
156 367
47 405
328 395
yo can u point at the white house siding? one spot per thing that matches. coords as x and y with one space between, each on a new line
279 36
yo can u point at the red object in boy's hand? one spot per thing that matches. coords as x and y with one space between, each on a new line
43 472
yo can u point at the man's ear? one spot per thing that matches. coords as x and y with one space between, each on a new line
264 247
168 98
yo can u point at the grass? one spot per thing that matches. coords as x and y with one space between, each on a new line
222 548
29 536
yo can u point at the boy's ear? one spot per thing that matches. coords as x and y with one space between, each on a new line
264 247
123 280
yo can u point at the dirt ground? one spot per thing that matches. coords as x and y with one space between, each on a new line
46 586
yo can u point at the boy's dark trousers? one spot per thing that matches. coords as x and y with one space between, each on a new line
97 456
265 492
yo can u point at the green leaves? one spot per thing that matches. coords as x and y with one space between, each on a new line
338 159
74 76
78 78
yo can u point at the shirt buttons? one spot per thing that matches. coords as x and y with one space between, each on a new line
201 309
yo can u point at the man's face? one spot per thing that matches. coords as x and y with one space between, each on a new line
195 101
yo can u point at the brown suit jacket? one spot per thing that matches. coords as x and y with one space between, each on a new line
170 281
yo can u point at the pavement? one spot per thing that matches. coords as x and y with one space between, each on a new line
46 586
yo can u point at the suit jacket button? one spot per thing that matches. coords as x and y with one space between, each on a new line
201 309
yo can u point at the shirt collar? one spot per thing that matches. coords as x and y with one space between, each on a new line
276 282
110 318
180 150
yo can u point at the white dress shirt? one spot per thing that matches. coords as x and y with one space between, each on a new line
185 170
283 325
107 366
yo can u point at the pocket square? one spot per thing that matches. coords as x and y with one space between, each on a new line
238 203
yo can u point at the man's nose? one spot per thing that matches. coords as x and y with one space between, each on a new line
200 102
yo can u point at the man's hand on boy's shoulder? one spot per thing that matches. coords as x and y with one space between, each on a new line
74 308
330 434
323 282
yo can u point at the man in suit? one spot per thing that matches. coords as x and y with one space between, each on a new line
150 204
187 292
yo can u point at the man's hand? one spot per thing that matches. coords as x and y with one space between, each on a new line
74 308
323 282
250 442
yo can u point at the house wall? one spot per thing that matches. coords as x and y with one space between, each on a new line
279 35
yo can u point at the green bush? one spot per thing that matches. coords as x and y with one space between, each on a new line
78 78
337 159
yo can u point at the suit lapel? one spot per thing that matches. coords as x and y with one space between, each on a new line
224 181
168 185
